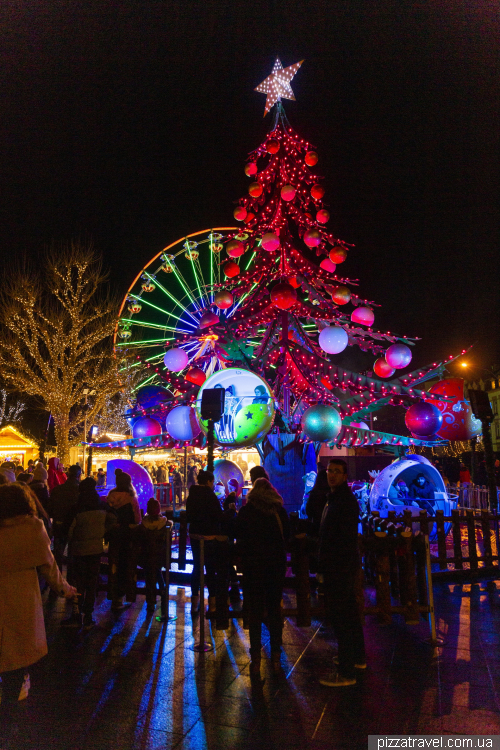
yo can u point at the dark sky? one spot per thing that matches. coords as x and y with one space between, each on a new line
130 122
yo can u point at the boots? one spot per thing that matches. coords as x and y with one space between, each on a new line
195 604
211 607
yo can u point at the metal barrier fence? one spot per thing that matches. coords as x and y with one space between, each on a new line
473 496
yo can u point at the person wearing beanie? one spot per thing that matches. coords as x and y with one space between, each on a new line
39 484
56 475
152 533
60 507
122 502
86 543
8 474
262 530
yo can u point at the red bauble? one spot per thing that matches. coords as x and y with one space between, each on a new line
208 319
317 192
235 248
196 375
323 216
293 281
270 241
288 192
383 369
231 269
341 295
272 146
255 189
240 213
249 217
283 296
223 299
338 254
250 168
311 158
459 422
312 238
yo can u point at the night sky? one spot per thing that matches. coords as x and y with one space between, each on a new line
130 121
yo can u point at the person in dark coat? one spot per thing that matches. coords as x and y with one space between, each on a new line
317 501
421 490
176 481
339 561
62 503
204 515
39 484
122 502
262 530
101 478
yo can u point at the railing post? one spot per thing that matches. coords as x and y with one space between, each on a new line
165 617
201 646
433 640
181 560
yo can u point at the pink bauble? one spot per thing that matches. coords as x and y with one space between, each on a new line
250 168
231 269
312 238
459 422
398 356
423 419
311 158
317 192
240 213
146 427
323 216
338 254
283 296
341 295
196 375
327 265
223 299
382 369
235 248
175 359
270 242
272 146
208 319
363 315
288 192
255 189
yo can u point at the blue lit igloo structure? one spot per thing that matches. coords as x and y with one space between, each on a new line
383 495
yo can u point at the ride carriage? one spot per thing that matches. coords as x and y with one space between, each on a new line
384 495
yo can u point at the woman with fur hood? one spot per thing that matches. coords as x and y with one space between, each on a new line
262 530
123 503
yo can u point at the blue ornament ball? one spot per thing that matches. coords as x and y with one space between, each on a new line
130 419
151 395
321 423
175 359
146 427
182 423
333 339
225 470
423 419
398 356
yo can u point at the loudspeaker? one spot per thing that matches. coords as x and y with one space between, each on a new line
212 403
480 403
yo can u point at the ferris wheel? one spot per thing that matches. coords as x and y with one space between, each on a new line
168 299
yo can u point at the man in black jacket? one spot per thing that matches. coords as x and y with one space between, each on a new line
61 508
340 564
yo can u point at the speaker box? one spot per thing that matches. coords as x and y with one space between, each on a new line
212 403
480 403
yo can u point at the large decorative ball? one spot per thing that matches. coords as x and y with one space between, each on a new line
231 269
311 158
398 356
288 192
363 315
341 295
283 295
327 265
321 423
312 238
272 146
235 248
151 395
182 423
196 375
223 299
423 419
250 168
459 422
383 369
131 420
240 213
333 339
208 319
317 192
225 470
338 254
270 241
255 189
175 359
146 427
323 216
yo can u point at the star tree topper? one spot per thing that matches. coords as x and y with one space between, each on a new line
277 85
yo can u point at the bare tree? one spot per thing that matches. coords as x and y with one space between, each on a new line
9 411
56 337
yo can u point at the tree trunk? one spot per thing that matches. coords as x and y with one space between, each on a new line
61 427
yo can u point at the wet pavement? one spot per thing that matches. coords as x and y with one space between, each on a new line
134 683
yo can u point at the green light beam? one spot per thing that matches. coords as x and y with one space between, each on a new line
171 296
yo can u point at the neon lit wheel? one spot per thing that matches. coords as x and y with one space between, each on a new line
173 297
